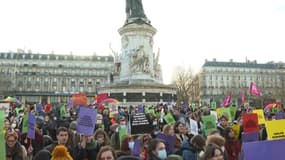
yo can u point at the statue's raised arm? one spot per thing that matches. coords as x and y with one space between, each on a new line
134 9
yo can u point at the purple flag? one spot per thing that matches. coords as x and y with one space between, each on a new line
86 121
264 150
169 142
31 126
140 108
137 146
253 89
279 115
39 107
250 137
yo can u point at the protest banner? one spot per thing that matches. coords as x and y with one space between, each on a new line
5 107
260 114
218 110
236 129
215 114
193 106
280 115
100 97
213 105
140 124
86 120
122 133
25 123
39 107
47 108
233 111
275 129
31 126
169 118
151 112
79 99
250 122
263 150
209 123
250 137
140 108
194 127
169 140
137 148
227 112
2 139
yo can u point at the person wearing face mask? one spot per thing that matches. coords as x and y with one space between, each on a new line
218 140
127 146
87 149
101 138
157 150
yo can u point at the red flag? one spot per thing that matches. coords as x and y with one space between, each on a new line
254 90
47 108
227 100
101 97
79 99
242 98
250 122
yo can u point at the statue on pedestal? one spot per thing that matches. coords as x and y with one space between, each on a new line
134 9
140 61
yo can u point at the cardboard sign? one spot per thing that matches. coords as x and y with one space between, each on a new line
250 137
209 124
263 150
169 119
227 112
140 124
169 142
275 129
233 111
25 124
5 107
260 114
86 121
215 114
236 128
250 122
194 127
213 105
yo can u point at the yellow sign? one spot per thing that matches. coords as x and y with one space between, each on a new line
218 110
260 114
275 129
236 128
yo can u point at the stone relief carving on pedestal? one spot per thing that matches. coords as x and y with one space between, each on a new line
125 41
139 61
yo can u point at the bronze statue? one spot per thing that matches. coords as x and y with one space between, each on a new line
134 9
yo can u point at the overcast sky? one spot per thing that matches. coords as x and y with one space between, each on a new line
189 31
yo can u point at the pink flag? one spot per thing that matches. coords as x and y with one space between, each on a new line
254 90
242 98
227 100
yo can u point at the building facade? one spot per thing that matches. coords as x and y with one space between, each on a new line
51 78
217 79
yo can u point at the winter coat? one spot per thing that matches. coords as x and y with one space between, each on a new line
233 148
188 151
17 153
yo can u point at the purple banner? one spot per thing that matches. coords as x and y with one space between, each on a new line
137 146
31 126
140 108
86 121
69 103
264 150
250 137
169 140
39 107
280 115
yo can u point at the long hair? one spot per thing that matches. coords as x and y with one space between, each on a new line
60 153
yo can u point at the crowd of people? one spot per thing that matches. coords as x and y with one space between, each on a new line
56 136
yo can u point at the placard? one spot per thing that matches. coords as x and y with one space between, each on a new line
250 122
86 121
140 124
275 129
260 114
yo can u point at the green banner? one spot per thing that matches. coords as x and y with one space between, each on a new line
209 124
274 110
25 124
62 111
227 112
2 139
213 105
122 133
169 119
152 112
233 111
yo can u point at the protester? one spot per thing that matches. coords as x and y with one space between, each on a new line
180 136
157 150
60 152
101 138
222 125
14 149
191 149
232 145
87 149
106 153
213 152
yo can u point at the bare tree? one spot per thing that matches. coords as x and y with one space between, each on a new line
183 79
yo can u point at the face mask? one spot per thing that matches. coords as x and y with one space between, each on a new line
154 123
131 145
156 132
162 154
13 125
